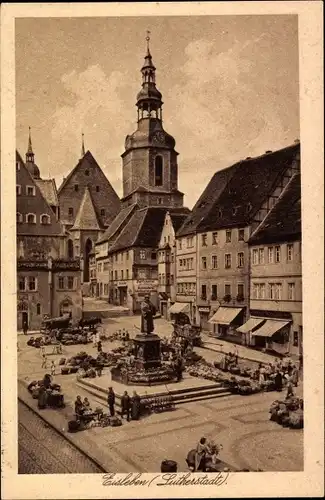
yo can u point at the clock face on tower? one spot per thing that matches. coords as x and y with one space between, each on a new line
159 137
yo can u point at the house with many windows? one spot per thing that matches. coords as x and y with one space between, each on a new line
216 233
275 320
167 261
48 283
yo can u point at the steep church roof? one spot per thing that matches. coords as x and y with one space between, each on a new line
120 220
33 204
88 174
86 218
283 222
234 194
49 190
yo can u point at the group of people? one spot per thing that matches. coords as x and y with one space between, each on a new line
229 359
130 406
80 407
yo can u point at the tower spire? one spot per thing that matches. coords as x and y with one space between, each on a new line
30 153
149 99
82 145
148 40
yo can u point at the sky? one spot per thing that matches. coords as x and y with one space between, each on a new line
230 87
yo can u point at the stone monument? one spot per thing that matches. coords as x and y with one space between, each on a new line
147 343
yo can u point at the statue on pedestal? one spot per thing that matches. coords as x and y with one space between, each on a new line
148 311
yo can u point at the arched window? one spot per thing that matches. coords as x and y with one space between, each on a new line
158 171
45 219
38 309
19 218
31 219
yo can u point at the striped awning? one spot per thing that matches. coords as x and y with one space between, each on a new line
250 325
179 307
270 327
225 315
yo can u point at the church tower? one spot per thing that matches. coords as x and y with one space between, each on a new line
150 172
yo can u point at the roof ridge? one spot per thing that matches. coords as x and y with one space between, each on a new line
140 225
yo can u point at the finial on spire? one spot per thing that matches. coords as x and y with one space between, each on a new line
82 145
30 148
148 40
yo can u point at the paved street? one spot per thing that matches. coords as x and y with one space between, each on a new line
241 424
41 450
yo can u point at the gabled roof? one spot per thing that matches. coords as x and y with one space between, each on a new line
283 222
49 190
234 194
178 219
121 218
144 228
86 217
27 204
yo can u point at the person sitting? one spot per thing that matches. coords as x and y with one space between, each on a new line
78 407
86 404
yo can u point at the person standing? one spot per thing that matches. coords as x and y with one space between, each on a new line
25 327
135 406
126 403
44 361
53 368
111 401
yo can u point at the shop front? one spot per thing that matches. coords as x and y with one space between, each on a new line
247 330
122 293
225 322
204 313
273 335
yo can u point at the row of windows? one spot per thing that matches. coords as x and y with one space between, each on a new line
166 279
214 238
71 212
66 282
186 288
32 219
216 291
186 264
273 254
165 256
27 283
120 275
30 190
273 291
102 266
227 261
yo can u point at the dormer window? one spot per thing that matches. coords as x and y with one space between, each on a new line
158 170
45 219
76 187
30 190
31 219
19 218
70 211
102 212
86 172
18 190
97 189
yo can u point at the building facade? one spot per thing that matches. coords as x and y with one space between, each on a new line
276 277
212 252
48 283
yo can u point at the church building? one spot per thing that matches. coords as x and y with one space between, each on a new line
88 204
129 247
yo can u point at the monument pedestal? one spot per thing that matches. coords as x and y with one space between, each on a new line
147 351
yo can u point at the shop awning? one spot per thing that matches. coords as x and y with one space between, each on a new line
270 327
250 325
179 307
225 315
